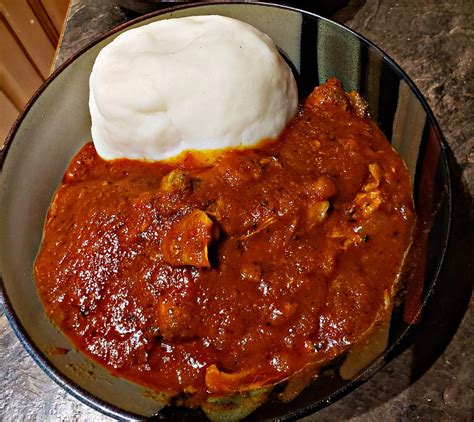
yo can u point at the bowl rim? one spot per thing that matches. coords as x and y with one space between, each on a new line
113 411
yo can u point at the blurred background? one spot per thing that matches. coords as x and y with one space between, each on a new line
29 34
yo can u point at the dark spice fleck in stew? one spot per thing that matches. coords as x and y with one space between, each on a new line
213 278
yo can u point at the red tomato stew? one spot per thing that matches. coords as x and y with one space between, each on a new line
211 278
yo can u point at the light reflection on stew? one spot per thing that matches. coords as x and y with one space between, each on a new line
220 277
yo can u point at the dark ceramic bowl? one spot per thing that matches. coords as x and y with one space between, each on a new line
56 123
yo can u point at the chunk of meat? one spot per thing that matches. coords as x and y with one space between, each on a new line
327 96
370 199
175 181
332 95
367 202
322 188
316 213
188 240
376 176
359 105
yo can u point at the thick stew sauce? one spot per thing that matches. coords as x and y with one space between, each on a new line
212 276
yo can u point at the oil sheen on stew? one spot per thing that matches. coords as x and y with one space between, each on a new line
217 277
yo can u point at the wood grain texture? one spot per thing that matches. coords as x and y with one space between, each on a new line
56 10
8 114
19 75
44 20
29 33
24 24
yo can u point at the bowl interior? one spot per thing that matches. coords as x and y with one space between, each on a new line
57 123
